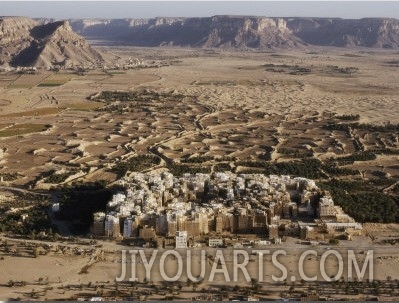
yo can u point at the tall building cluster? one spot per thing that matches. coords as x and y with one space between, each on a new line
217 204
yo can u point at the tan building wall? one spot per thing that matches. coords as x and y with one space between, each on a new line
98 228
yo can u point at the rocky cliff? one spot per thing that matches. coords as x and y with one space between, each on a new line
43 43
369 32
243 32
14 37
217 31
25 42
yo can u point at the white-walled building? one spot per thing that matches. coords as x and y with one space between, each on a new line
55 207
127 228
111 226
215 242
181 239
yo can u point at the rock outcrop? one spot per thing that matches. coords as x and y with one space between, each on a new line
26 42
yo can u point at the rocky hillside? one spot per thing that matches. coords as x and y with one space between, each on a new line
243 32
218 31
370 32
14 37
25 42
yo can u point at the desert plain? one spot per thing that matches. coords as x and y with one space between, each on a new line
204 110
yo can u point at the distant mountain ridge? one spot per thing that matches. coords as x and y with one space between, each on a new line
243 32
218 31
27 42
45 42
367 32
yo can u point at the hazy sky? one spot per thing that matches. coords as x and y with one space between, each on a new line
146 9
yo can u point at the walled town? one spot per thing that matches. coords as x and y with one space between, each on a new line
211 208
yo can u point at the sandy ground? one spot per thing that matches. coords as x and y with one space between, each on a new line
233 104
59 269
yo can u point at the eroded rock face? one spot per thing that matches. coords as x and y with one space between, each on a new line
13 27
244 31
44 43
369 32
217 31
26 42
14 36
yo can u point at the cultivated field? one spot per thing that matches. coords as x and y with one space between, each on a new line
226 107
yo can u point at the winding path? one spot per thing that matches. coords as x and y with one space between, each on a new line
24 191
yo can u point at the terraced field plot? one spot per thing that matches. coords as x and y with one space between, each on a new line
55 80
21 129
35 112
28 80
231 112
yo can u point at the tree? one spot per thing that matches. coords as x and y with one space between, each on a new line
333 241
35 252
254 284
55 237
33 293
